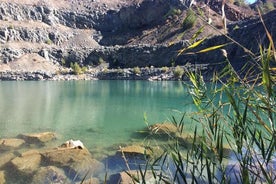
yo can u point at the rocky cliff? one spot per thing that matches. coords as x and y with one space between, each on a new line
46 36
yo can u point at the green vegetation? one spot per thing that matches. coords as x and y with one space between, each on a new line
189 20
178 72
136 70
77 70
164 69
49 41
234 140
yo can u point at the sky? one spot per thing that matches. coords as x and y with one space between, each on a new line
250 1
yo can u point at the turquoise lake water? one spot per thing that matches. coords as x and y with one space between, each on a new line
99 113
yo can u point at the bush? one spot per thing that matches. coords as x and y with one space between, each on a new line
76 68
164 69
136 70
178 72
190 20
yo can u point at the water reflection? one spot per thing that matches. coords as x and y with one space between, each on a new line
112 109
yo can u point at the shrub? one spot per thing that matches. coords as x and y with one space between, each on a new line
136 70
178 72
164 69
76 68
49 41
189 20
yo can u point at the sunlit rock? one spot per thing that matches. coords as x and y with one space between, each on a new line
78 163
6 144
130 176
135 150
28 162
2 177
38 138
90 181
5 158
49 175
164 129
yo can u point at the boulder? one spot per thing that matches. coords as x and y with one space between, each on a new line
27 163
125 178
78 163
168 129
49 175
2 177
135 150
38 138
7 144
90 181
5 158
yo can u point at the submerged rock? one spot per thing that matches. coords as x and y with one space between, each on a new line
77 162
49 175
168 129
5 158
135 150
90 181
130 176
38 138
7 144
27 163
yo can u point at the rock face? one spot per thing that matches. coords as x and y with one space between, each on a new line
124 34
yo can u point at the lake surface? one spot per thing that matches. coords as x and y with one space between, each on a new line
99 113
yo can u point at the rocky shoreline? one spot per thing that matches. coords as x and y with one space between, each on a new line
102 73
40 158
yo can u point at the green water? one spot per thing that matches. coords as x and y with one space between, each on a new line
99 113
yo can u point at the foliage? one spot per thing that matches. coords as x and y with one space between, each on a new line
136 70
178 72
164 69
235 137
49 41
189 20
77 70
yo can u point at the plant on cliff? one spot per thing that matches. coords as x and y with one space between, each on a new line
178 72
76 68
136 70
189 20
